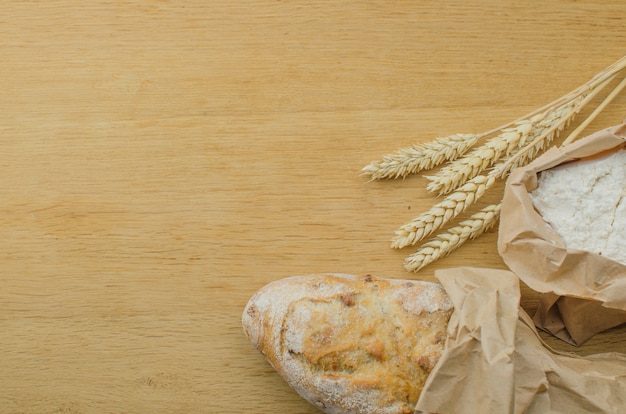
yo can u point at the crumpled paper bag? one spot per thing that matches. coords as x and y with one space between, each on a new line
575 320
582 293
495 362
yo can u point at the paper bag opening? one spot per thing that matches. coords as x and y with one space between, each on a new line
583 292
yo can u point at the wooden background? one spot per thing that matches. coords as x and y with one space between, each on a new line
162 160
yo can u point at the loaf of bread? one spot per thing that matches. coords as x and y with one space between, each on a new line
351 344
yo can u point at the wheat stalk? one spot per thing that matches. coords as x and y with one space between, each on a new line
420 157
446 242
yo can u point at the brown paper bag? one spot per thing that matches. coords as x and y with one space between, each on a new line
575 320
494 361
593 287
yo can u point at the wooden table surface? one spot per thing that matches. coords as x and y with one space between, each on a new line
163 160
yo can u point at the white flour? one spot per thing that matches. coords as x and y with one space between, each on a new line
585 203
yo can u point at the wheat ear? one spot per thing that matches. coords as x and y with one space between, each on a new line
458 172
444 211
420 157
446 242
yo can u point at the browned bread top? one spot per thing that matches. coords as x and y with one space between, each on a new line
351 344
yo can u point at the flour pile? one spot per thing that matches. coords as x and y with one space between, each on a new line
585 203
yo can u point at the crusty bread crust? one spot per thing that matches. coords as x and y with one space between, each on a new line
351 344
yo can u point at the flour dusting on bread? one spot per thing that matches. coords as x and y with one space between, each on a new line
351 344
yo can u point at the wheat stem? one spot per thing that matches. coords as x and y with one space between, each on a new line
531 149
575 133
446 242
422 157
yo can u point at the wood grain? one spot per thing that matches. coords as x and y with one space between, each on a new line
162 160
